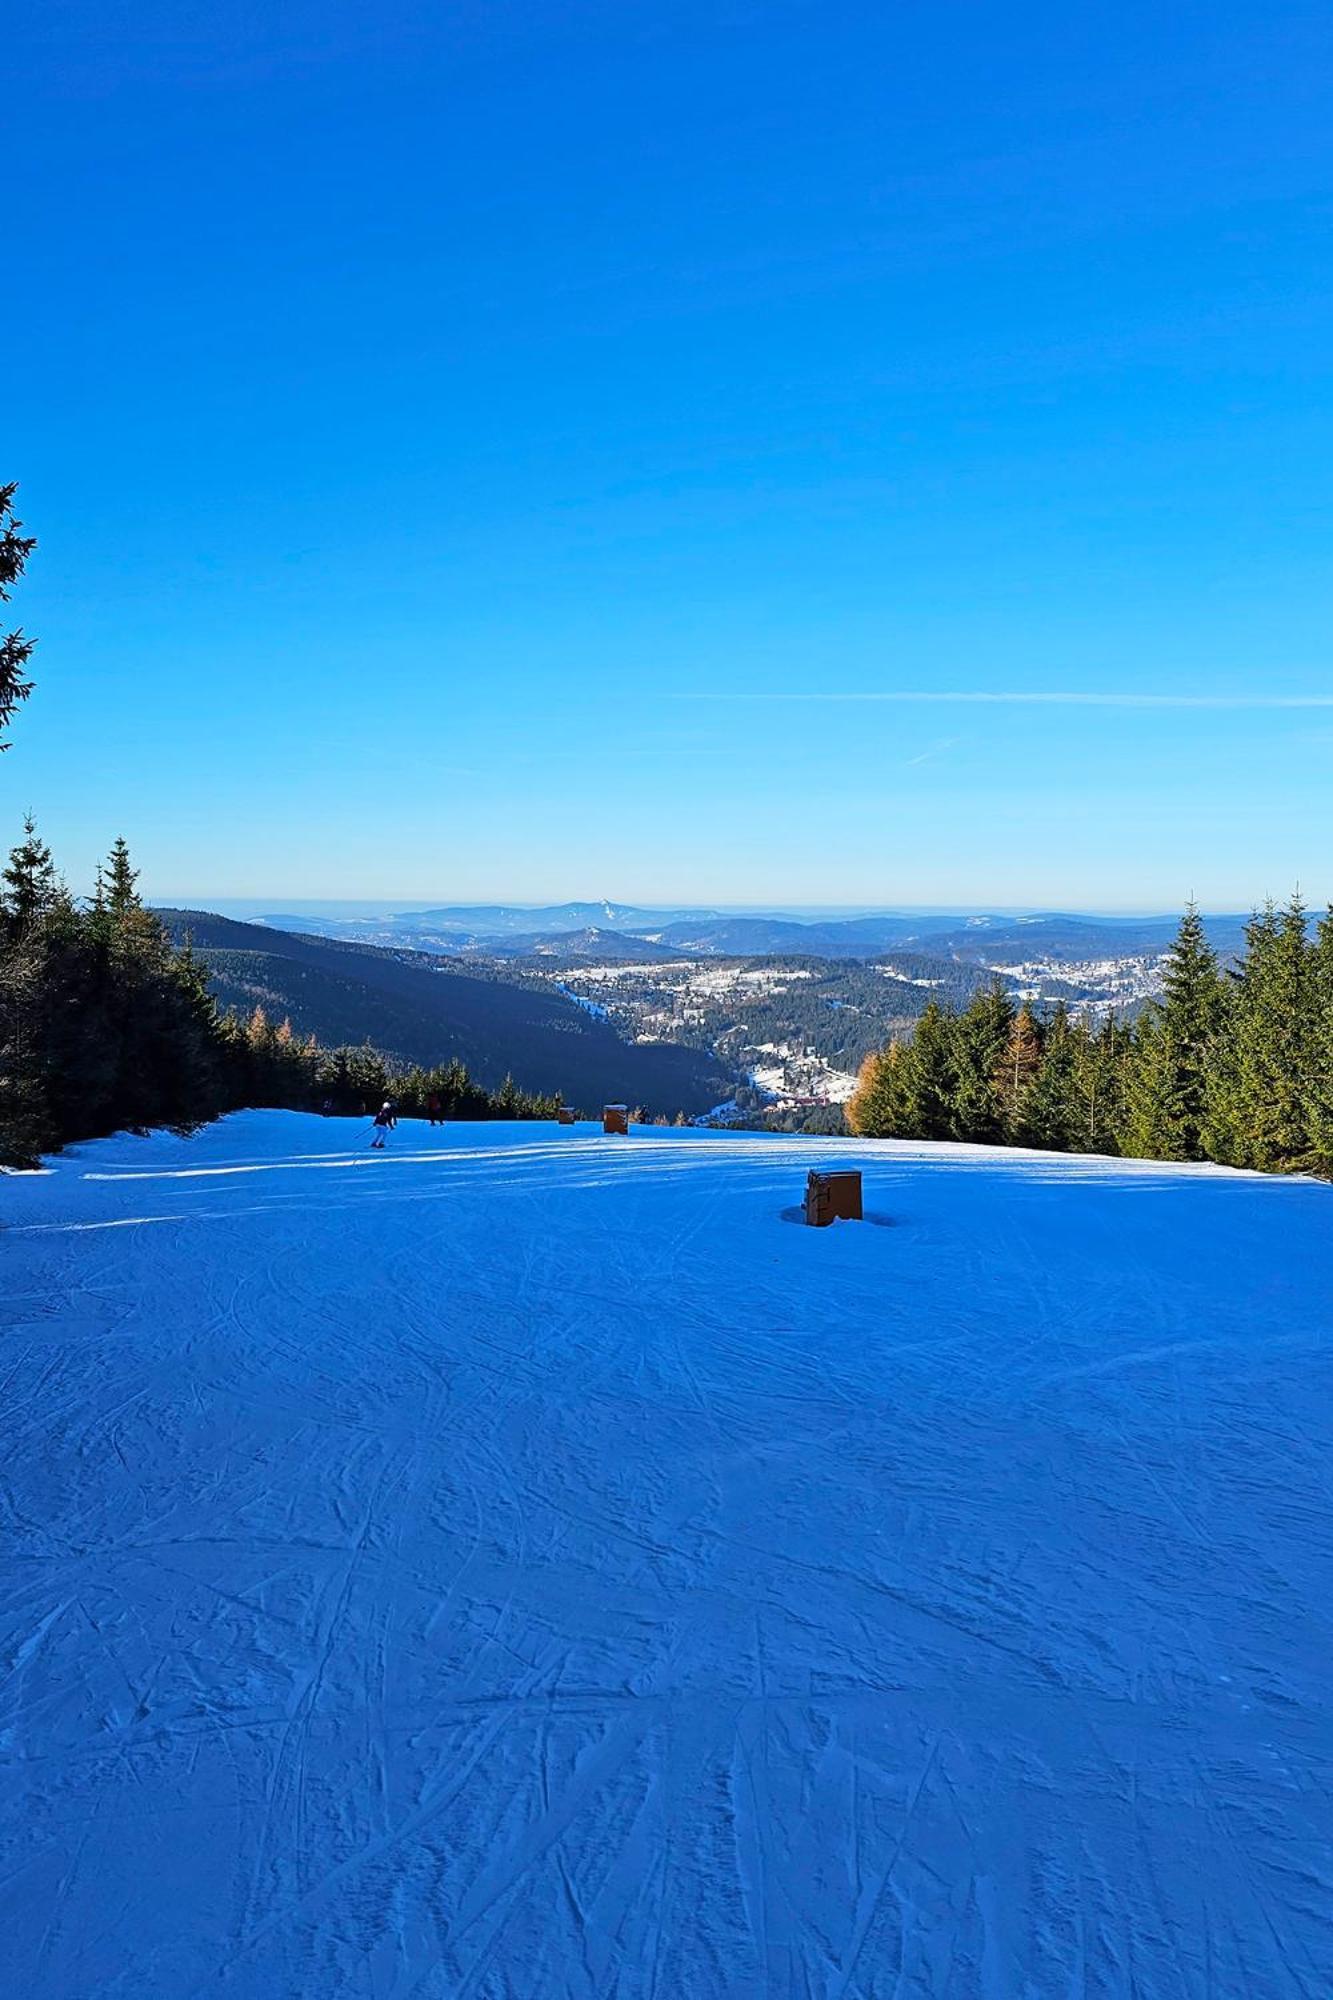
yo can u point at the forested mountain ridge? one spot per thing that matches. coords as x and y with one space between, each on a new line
425 1009
590 946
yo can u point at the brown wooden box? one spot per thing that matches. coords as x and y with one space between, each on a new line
565 1115
832 1197
615 1118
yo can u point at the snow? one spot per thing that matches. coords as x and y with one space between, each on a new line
798 1075
1115 981
593 1007
746 980
612 974
526 1564
905 978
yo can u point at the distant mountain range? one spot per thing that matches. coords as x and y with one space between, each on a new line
618 930
426 1010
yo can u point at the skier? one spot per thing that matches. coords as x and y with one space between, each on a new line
384 1124
434 1108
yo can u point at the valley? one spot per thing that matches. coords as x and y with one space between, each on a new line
677 1010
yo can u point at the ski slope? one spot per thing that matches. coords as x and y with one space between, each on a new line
526 1566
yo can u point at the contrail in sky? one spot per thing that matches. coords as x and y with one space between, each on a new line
1045 698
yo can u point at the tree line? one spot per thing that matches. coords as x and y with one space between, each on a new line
105 1025
1233 1064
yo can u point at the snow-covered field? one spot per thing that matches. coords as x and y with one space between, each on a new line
526 1566
1113 982
795 1074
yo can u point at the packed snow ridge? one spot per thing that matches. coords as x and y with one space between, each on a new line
528 1564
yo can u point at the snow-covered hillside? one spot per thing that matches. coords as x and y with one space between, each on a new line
528 1565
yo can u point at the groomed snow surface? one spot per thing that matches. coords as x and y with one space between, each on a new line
528 1566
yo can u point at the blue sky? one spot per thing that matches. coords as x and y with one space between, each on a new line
513 450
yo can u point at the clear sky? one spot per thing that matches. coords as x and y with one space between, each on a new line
528 450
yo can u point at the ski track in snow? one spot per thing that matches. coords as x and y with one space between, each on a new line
524 1567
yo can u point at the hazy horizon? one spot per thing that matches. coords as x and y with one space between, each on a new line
371 906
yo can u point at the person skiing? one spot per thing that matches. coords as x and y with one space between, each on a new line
384 1124
434 1110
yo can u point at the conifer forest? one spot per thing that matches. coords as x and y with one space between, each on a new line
1233 1064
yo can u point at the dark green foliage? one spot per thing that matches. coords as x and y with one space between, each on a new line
1168 1097
420 1009
1051 1108
908 1089
106 1025
1101 1062
15 650
1319 1096
980 1044
1235 1068
1265 1077
101 1024
928 1076
30 881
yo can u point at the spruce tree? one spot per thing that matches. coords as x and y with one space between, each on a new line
1320 1094
980 1041
30 883
15 650
1144 1133
120 883
927 1070
1100 1063
1175 1052
1259 1103
1051 1109
29 896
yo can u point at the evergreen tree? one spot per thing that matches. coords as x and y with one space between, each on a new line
1100 1063
1175 1051
1146 1116
980 1043
927 1068
29 895
30 883
1051 1110
1259 1112
15 650
1320 1094
119 882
